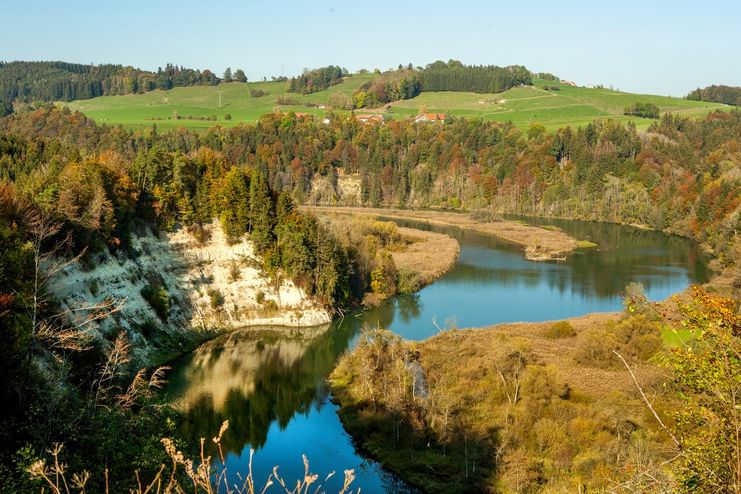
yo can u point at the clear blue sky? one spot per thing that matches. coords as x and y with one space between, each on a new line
662 47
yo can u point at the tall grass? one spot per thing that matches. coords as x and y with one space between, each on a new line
184 475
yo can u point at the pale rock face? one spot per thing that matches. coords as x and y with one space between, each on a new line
193 274
345 190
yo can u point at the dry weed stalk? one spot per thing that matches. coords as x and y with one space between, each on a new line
205 477
70 329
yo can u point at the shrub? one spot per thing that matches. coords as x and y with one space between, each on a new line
642 110
258 93
260 297
148 328
594 349
158 298
228 116
234 272
216 298
638 336
560 329
94 288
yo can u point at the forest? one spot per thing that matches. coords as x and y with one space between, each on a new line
63 81
66 182
454 76
730 95
315 80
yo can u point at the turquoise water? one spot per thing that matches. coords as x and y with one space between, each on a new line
270 384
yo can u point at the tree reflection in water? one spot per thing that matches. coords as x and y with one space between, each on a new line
253 377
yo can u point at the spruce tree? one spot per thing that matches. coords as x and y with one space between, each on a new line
262 211
235 216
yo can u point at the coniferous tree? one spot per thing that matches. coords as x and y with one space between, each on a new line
236 214
262 211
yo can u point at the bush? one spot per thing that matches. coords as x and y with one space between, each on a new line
228 116
594 348
639 337
216 298
260 297
560 329
258 93
148 328
642 110
158 298
234 272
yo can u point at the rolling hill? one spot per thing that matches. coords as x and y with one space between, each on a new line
206 106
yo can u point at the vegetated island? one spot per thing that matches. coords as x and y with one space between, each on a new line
540 244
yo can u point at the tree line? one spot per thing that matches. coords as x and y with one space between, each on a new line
454 76
63 81
315 80
678 177
729 95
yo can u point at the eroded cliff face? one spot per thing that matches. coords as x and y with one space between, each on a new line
210 286
342 189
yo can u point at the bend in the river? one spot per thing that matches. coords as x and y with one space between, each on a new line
271 384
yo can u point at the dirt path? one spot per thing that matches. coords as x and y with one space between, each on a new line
539 244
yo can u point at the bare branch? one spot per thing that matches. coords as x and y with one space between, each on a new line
648 403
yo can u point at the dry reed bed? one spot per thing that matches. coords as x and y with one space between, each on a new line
458 350
540 244
430 255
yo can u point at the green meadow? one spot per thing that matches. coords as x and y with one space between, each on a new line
524 106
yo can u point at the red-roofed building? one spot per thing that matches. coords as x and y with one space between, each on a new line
430 117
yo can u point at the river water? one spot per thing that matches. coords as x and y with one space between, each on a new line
271 383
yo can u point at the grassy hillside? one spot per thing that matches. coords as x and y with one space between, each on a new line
568 106
522 105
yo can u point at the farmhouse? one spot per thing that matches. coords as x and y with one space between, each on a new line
430 117
370 118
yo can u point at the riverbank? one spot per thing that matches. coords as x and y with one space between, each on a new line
539 244
506 407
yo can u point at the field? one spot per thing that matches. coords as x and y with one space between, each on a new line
524 106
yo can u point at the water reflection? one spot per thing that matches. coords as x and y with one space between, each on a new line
252 378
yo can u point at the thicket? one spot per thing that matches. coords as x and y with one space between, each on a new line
643 110
391 86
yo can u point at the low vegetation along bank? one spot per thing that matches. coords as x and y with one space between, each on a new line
640 401
394 260
539 244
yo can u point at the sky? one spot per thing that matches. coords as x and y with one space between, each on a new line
650 46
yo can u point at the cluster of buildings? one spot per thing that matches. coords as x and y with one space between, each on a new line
379 118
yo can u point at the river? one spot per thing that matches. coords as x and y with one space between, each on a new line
271 383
